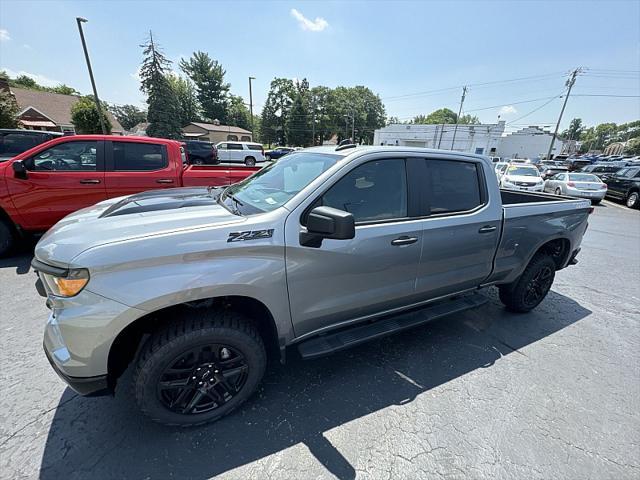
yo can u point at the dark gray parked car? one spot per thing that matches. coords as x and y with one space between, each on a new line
198 286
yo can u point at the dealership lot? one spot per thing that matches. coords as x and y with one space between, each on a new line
485 394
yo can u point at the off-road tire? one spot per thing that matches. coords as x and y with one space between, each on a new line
192 329
7 238
515 295
250 161
633 200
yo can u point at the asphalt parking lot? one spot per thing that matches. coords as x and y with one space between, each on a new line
481 395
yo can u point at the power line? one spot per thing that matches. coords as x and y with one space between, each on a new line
535 109
496 82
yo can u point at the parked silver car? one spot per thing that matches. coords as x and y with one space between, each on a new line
581 185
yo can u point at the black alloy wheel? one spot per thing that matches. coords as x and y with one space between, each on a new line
202 379
538 286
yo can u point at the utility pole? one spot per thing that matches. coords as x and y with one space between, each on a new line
569 83
313 124
80 21
455 129
251 105
441 132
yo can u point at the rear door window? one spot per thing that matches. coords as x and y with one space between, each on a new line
454 186
234 146
132 156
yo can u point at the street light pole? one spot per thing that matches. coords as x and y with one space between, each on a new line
251 104
80 21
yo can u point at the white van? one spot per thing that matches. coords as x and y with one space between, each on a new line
248 153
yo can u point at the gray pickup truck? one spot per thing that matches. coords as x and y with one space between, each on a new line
321 251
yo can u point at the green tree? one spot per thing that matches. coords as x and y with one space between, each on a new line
208 77
469 120
575 130
128 115
163 113
298 130
86 118
8 110
276 109
442 115
26 82
633 146
238 113
185 93
64 89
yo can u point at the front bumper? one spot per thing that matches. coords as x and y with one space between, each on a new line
533 188
86 386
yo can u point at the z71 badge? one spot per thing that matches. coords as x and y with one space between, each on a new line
249 235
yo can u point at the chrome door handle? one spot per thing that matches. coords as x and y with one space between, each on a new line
404 240
88 181
164 180
487 229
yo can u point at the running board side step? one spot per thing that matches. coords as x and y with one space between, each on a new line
350 337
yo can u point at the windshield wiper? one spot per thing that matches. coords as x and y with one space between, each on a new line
236 203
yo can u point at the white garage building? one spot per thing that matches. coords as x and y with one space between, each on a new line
530 142
480 139
486 139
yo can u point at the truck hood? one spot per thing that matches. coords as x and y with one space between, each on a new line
141 215
522 178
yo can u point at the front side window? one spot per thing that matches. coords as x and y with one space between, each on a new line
70 156
455 186
131 156
12 144
373 191
631 173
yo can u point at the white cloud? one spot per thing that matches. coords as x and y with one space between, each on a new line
41 79
507 110
317 25
27 46
4 35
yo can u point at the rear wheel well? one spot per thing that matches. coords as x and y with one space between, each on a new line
558 250
129 341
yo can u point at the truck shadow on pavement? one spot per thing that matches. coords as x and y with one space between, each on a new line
297 403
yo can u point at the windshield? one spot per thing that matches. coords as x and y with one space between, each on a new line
275 184
523 171
583 177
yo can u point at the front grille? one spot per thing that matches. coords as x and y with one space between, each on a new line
525 184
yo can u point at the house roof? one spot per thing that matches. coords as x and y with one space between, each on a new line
55 106
220 128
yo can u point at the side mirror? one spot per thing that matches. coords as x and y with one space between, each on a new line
20 170
327 222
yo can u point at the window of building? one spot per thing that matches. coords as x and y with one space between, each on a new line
245 138
233 138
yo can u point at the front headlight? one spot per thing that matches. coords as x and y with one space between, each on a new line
69 285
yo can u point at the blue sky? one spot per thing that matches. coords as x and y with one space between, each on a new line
398 49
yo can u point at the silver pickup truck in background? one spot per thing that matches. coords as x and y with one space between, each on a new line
197 287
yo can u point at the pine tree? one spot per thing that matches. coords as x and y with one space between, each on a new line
298 128
163 113
208 76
